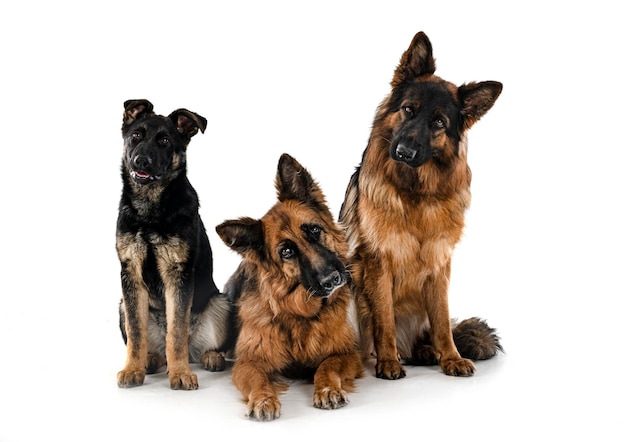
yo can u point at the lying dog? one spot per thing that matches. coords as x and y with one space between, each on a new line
171 311
404 213
292 298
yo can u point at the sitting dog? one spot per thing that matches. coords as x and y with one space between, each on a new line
171 311
404 213
292 298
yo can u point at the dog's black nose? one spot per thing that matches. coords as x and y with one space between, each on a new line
331 281
405 153
142 162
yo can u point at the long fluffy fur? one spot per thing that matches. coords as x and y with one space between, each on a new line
404 213
292 298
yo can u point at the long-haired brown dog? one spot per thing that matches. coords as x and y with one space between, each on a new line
404 213
292 298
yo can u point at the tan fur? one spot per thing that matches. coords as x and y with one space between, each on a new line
403 221
171 255
284 325
132 253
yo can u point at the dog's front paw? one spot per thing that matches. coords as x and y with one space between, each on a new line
264 409
213 361
329 398
389 370
457 367
183 381
129 378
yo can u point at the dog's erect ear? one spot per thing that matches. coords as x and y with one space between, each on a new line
135 109
294 182
416 61
242 235
476 99
187 122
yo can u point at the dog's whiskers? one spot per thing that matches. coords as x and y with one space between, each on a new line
310 294
349 269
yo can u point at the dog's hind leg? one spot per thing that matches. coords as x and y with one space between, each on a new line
213 361
423 354
211 334
157 329
155 361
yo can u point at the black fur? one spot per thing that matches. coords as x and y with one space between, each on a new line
160 232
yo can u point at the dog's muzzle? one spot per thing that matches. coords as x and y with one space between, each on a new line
330 283
140 169
412 157
404 153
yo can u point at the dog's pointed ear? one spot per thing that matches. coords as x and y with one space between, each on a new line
188 123
135 109
242 235
294 182
416 61
476 99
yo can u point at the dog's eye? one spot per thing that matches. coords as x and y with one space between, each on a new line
164 141
313 231
439 123
287 253
408 110
135 136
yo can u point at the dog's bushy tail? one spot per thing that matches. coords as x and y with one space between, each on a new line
475 339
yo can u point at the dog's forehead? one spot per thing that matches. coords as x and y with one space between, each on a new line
286 219
154 124
429 94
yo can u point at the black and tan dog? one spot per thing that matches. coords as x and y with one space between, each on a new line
404 213
292 298
171 311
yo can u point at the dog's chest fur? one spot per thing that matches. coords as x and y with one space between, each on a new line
146 202
146 241
309 340
426 229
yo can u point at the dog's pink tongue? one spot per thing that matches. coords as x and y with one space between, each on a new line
142 175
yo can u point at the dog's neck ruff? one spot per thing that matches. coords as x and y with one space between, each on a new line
146 197
297 301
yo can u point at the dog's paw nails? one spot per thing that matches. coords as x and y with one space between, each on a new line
389 370
126 379
330 398
213 361
186 381
266 409
458 367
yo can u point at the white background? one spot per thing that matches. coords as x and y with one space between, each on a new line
542 257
